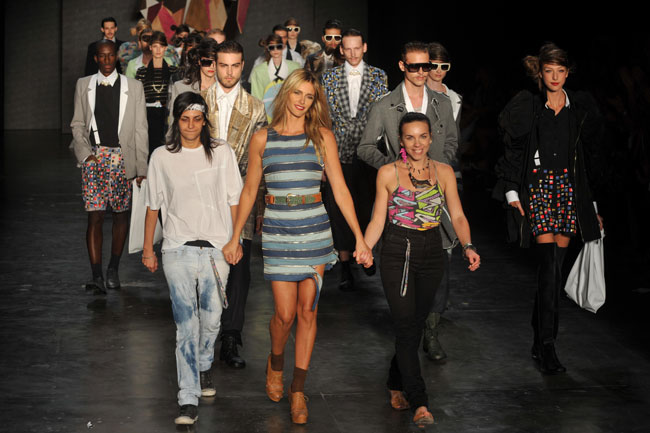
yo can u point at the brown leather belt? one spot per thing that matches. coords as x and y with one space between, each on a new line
293 199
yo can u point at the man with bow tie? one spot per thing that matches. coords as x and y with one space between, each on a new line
235 115
110 142
350 89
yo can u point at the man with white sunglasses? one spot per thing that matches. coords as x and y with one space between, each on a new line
331 39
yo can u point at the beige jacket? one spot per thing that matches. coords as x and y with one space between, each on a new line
247 117
132 128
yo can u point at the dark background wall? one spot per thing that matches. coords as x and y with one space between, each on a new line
32 65
45 46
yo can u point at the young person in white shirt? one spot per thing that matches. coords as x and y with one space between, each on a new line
195 182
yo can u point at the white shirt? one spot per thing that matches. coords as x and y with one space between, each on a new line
328 60
295 56
193 194
101 78
407 101
354 75
225 102
283 72
455 101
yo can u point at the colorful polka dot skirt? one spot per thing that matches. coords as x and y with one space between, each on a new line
552 202
104 182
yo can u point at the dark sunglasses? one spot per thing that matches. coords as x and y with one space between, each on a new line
415 67
206 62
442 66
275 47
329 38
145 38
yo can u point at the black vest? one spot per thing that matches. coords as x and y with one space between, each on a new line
107 114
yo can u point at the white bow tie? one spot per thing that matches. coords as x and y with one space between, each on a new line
354 72
105 83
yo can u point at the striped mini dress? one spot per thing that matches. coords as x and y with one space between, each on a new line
295 238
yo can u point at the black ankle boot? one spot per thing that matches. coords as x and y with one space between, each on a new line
430 343
229 352
548 361
347 282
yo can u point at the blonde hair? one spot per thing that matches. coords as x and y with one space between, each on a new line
317 116
142 24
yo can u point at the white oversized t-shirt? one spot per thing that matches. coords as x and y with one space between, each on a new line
194 195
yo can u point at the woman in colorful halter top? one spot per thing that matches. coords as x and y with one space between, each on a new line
411 192
296 237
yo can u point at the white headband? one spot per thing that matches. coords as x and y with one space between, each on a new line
195 107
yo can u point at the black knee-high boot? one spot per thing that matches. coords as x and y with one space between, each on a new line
544 320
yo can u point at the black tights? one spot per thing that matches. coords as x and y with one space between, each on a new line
94 234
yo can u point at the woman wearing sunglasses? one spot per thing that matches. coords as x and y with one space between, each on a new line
200 76
267 77
551 138
412 192
293 31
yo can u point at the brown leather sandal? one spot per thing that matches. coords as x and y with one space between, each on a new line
423 418
398 401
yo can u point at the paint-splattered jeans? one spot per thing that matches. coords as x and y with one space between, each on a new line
197 312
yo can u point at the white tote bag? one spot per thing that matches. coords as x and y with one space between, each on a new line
586 282
138 212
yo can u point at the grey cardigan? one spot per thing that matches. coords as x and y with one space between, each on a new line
383 121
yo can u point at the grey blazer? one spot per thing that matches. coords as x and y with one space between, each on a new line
383 121
132 126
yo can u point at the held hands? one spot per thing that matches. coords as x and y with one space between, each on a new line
363 254
473 258
517 205
232 252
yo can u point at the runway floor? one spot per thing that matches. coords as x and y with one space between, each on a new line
73 362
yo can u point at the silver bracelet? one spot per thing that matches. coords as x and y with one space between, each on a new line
469 246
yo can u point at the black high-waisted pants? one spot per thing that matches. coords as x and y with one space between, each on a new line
410 311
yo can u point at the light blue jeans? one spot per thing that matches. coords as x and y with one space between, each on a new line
197 308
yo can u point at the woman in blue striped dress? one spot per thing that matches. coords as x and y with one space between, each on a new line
296 237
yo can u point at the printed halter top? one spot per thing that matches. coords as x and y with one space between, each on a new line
416 210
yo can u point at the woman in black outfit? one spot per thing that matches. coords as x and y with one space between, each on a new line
550 138
155 79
